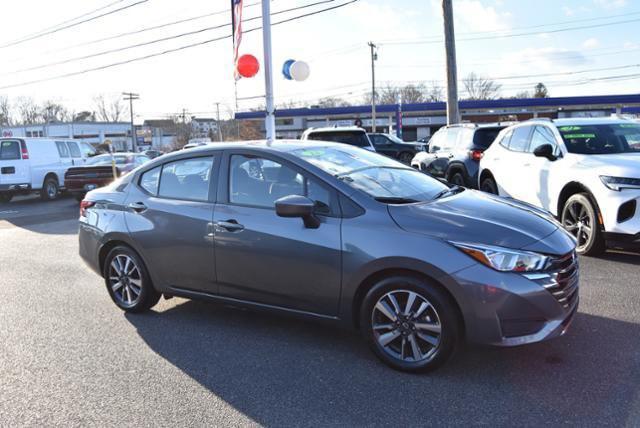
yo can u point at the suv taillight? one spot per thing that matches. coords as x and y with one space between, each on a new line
84 205
475 155
23 150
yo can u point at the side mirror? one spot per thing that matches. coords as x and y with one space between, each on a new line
298 206
545 151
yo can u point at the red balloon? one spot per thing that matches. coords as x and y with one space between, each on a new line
248 66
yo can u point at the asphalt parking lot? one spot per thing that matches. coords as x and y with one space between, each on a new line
68 356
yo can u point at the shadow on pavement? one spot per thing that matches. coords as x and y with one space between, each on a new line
39 216
279 371
628 257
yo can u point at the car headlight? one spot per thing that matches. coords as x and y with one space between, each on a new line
504 259
619 183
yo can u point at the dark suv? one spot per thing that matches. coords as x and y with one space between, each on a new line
455 152
394 147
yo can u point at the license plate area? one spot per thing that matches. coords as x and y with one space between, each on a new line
90 186
8 170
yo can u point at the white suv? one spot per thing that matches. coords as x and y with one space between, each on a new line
352 135
584 171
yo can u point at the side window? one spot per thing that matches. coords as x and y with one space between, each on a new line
87 150
74 149
506 139
541 135
149 180
452 138
9 150
186 179
520 139
261 182
63 150
436 142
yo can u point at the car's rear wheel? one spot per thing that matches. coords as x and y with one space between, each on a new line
489 185
580 218
457 178
409 324
128 281
50 189
405 157
5 198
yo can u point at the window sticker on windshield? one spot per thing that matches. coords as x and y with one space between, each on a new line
580 136
569 128
628 125
311 153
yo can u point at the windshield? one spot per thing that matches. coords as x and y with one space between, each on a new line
485 136
602 139
353 138
106 160
378 176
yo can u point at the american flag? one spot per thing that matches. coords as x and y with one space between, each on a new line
236 20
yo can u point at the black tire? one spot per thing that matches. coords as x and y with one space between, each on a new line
5 198
489 185
580 218
444 313
406 157
147 296
50 189
457 178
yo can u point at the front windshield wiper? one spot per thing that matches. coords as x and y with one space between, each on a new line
450 191
395 200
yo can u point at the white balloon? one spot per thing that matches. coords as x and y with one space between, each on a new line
299 71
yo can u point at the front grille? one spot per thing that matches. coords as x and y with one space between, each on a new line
561 279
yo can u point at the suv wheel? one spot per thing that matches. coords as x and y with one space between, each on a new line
410 325
128 281
50 189
5 198
580 218
405 157
489 185
457 178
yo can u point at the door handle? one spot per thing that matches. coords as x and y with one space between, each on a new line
228 226
138 207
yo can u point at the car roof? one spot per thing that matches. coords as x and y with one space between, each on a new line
277 145
591 121
336 129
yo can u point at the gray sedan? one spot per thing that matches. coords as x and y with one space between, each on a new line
336 233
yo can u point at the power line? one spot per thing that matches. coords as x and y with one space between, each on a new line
75 24
168 51
151 42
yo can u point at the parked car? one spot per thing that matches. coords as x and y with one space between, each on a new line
351 135
191 145
336 233
455 152
99 170
152 154
584 171
38 165
394 147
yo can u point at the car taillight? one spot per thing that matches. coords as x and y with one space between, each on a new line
23 149
84 205
475 155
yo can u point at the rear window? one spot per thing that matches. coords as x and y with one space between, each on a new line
353 138
485 136
9 150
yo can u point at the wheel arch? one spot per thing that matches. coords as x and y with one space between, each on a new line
571 189
53 175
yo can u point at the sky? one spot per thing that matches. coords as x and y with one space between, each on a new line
575 47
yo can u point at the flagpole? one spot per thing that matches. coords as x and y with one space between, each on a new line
270 119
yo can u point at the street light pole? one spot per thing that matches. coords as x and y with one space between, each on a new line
130 96
218 122
270 119
374 57
453 112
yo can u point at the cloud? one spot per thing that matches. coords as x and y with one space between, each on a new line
591 43
611 4
472 15
568 11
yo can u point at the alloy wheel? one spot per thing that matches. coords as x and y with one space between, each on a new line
125 280
406 326
52 190
577 220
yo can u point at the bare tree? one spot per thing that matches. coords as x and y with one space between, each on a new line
29 112
434 93
522 94
481 88
110 110
54 112
84 116
5 111
541 91
328 102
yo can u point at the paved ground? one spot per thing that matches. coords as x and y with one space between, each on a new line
69 357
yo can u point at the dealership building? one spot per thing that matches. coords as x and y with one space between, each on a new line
416 121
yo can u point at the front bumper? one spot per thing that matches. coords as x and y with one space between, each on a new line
18 187
511 309
616 220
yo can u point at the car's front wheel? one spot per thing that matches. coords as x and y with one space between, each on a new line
128 281
409 324
580 218
5 198
405 157
50 189
489 185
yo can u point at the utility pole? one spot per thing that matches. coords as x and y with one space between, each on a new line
130 96
453 113
270 119
218 122
374 57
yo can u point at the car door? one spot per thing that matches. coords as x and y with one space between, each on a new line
539 171
383 145
14 168
271 260
436 144
440 164
512 164
76 154
169 213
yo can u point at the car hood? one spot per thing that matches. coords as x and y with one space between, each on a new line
622 164
475 217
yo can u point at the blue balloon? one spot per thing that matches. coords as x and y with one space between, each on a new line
286 69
